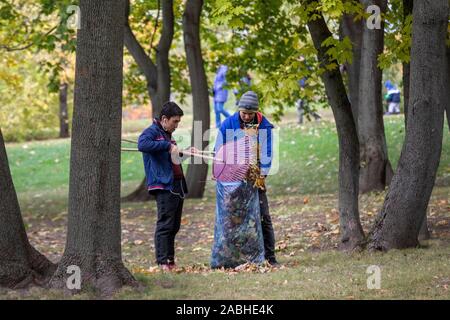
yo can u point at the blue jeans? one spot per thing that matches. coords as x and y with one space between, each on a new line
219 109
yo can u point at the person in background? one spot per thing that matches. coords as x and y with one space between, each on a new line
248 116
392 98
245 84
220 94
165 179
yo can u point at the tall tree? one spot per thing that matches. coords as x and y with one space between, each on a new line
376 171
406 202
351 231
353 29
197 173
94 228
447 104
157 74
21 265
407 12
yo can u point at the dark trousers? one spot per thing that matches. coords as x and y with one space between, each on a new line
267 228
170 207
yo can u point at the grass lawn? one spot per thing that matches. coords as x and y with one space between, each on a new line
303 201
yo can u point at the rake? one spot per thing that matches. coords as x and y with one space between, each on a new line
233 162
240 160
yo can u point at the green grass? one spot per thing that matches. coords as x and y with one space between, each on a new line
328 275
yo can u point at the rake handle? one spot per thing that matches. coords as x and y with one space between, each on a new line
183 152
201 156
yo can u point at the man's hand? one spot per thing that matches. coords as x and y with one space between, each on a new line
193 150
174 150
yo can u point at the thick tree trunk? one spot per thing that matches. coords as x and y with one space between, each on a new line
351 231
354 30
63 111
197 172
447 81
20 264
407 200
376 171
424 233
157 75
94 229
407 10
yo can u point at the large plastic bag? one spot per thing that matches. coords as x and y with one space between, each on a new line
237 233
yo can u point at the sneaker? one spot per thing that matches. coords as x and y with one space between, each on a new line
167 267
273 262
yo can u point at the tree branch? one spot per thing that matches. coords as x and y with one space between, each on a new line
167 29
143 61
156 26
9 49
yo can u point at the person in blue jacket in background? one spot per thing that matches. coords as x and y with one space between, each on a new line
220 94
248 116
392 98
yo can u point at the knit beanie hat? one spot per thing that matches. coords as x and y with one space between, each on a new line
248 102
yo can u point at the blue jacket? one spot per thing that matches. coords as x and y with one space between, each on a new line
155 143
265 140
220 94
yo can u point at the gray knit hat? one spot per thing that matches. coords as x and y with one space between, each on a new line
248 102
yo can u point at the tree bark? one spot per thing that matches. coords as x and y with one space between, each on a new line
20 264
197 172
407 10
157 75
354 30
406 202
94 228
447 81
376 171
63 112
351 231
424 233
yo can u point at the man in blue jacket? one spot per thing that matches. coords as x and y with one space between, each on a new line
248 116
220 94
165 179
392 98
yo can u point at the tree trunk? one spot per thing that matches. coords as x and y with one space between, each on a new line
351 230
20 264
162 54
157 75
447 81
354 30
94 229
424 233
407 200
376 171
407 10
63 112
198 170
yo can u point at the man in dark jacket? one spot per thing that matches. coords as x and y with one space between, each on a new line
248 117
165 179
